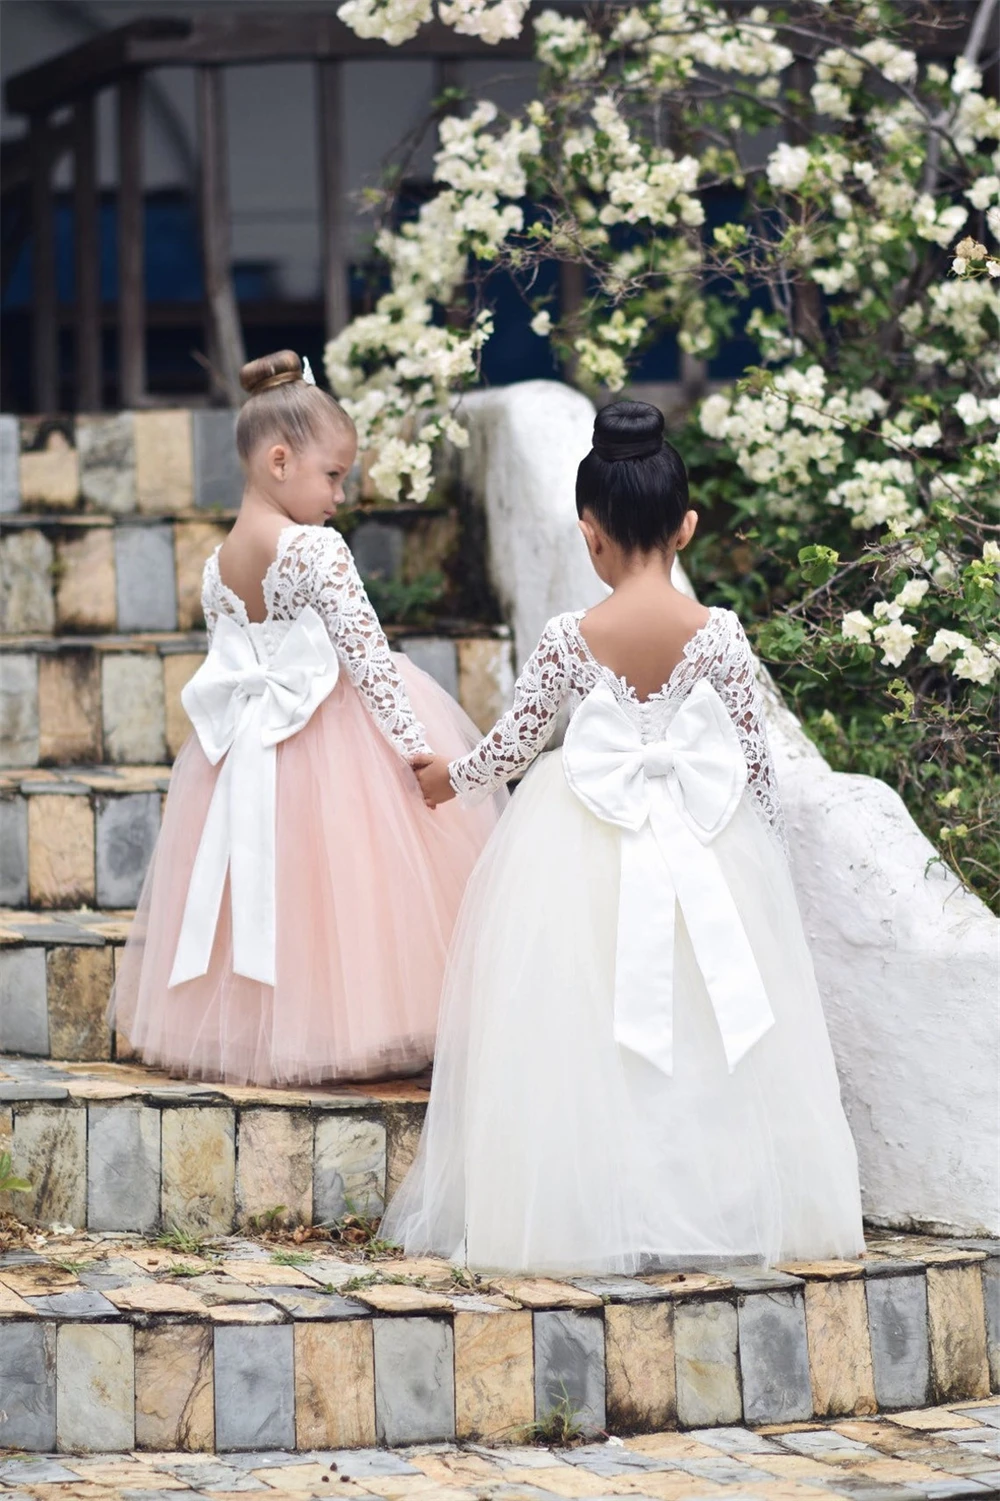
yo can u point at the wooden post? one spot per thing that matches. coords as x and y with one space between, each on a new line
45 333
226 342
131 247
86 235
333 241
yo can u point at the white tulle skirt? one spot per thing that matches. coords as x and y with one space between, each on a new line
548 1148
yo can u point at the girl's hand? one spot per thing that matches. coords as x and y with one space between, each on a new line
432 774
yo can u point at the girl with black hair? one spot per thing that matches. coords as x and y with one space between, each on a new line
632 1067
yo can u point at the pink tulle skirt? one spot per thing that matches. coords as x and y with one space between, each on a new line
369 883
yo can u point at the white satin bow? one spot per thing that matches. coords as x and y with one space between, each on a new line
670 799
242 708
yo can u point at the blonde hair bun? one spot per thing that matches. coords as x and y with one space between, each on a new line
270 370
282 406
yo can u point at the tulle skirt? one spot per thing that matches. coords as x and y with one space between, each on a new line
369 882
547 1148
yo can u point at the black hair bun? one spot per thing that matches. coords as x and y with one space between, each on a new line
627 430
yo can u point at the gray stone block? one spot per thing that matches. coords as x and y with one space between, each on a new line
95 1388
569 1365
218 478
13 852
133 708
50 1150
127 828
774 1357
437 656
349 1168
24 1014
377 549
254 1387
991 1293
106 445
27 1388
146 581
123 1167
897 1318
10 464
27 603
414 1380
80 1303
705 1345
18 709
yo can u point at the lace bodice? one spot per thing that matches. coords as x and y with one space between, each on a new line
314 566
562 670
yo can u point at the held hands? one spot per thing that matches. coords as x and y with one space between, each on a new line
432 774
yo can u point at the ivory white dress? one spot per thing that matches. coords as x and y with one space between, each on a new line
632 1066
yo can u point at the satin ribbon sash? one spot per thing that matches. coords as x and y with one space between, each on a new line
242 709
670 799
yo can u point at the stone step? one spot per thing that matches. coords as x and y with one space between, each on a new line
78 837
65 700
56 973
120 1147
80 573
942 1452
112 1344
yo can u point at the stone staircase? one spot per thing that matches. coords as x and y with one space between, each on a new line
230 1334
112 1342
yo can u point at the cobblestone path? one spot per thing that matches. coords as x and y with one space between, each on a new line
937 1454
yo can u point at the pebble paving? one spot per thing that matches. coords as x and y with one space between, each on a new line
939 1454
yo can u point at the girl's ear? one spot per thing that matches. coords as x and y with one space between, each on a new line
277 461
591 535
687 530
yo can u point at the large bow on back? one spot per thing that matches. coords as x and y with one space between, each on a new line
242 708
670 799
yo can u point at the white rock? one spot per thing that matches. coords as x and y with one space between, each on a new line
906 958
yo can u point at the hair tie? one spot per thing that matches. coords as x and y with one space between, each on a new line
280 378
643 448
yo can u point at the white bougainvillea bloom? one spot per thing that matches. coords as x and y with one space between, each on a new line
856 626
976 665
896 641
984 191
912 593
541 324
787 166
945 642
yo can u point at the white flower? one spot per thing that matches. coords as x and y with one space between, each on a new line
831 100
894 63
787 166
974 666
959 265
856 626
864 172
926 435
885 609
944 643
896 641
392 21
912 593
712 415
541 324
966 78
984 191
991 552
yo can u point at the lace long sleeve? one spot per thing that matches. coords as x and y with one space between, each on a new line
334 588
518 736
735 680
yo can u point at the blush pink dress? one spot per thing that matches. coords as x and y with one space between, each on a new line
346 885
